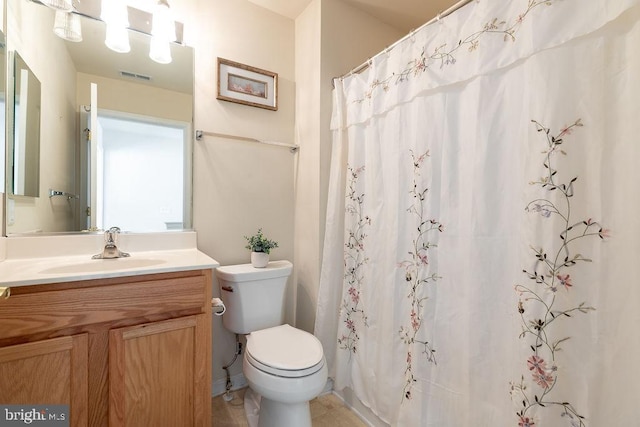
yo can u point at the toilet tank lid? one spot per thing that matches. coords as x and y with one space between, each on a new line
247 272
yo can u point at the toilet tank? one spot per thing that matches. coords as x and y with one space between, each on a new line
254 297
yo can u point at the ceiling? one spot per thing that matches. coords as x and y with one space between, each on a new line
405 15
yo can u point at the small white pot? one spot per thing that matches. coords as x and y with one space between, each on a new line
259 259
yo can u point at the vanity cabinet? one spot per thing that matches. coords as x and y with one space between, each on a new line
127 351
159 362
47 372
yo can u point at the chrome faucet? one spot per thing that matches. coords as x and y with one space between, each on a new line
110 250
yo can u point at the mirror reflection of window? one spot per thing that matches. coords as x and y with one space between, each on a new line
149 196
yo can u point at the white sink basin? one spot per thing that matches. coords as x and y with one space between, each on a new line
99 265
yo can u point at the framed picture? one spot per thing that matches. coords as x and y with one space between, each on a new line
247 85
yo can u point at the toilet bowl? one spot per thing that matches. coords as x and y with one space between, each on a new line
286 367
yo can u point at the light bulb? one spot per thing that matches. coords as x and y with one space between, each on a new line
117 39
115 14
163 26
160 51
67 26
163 32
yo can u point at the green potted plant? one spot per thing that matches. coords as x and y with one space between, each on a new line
260 248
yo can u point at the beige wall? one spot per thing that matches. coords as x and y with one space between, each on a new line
241 186
135 98
331 39
308 104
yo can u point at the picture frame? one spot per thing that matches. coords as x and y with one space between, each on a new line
247 85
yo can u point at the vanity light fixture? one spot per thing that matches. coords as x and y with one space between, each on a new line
115 14
163 32
64 5
67 26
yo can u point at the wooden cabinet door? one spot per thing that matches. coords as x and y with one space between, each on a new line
157 374
47 372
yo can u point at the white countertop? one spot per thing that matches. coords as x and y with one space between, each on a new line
35 271
67 258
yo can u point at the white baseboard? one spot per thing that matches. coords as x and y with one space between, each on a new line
219 387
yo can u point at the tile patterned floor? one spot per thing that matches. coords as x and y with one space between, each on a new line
326 411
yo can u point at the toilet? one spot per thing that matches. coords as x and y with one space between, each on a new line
284 366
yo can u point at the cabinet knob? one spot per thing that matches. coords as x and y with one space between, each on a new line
5 292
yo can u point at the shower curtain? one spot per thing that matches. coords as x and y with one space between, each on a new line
483 223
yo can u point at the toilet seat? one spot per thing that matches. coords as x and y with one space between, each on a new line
284 351
285 373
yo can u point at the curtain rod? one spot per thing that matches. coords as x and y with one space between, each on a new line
200 133
360 68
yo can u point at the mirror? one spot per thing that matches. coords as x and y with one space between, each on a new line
3 103
26 130
92 146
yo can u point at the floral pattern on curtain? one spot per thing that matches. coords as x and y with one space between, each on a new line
468 275
417 276
549 276
446 54
353 315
